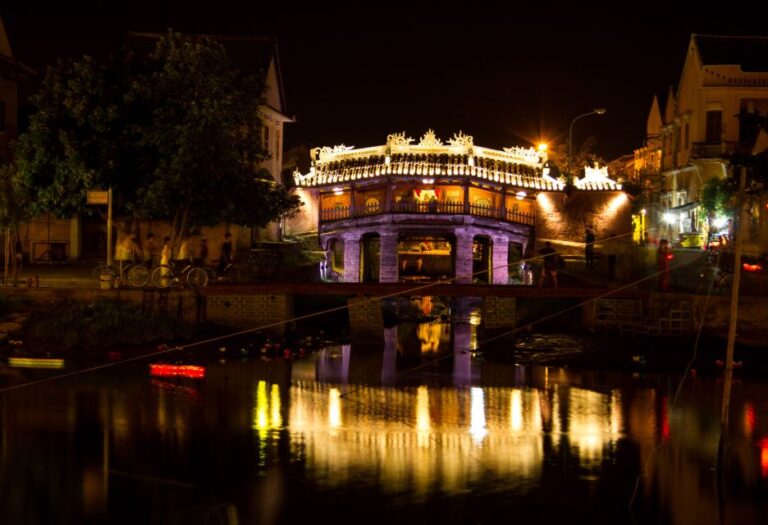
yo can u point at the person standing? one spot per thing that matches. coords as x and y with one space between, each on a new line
150 251
549 261
225 257
664 257
589 248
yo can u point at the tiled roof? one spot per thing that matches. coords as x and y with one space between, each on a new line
748 52
426 166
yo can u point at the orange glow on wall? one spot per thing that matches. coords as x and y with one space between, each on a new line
752 267
165 370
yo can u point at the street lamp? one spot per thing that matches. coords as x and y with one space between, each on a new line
596 111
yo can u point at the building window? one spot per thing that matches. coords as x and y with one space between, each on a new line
714 129
266 137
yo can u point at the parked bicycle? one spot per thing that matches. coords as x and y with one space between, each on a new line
230 273
135 275
167 275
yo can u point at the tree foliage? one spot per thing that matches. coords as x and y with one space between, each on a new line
718 196
13 201
581 157
176 134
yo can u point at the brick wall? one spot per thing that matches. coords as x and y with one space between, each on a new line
250 311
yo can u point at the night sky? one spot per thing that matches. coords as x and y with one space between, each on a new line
352 76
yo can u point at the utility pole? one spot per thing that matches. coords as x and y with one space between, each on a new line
734 302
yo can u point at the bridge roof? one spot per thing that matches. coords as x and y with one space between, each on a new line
431 158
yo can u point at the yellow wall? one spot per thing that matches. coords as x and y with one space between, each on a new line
477 195
331 201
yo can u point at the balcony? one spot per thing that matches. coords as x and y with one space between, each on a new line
710 150
427 208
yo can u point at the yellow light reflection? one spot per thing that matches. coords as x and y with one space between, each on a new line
277 418
594 423
477 425
393 432
334 408
423 424
260 412
267 409
516 410
429 335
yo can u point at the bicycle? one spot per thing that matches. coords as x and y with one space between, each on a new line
230 273
167 275
135 275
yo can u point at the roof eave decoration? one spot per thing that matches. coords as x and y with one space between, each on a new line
458 156
596 179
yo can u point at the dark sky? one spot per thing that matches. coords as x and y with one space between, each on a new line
354 75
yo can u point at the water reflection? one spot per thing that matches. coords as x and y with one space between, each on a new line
359 435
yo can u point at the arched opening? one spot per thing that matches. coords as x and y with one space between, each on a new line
481 259
335 260
517 271
425 257
370 250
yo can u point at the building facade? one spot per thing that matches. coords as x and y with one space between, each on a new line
405 212
719 107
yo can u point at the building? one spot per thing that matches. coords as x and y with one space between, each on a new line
433 210
719 107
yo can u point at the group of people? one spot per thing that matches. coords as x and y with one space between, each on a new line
152 254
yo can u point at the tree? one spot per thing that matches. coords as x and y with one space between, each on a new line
580 158
176 134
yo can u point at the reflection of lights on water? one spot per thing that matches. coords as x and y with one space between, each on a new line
616 419
267 412
423 424
557 425
516 410
477 425
334 408
277 418
594 422
430 334
260 418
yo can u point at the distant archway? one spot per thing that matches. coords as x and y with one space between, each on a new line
370 253
482 271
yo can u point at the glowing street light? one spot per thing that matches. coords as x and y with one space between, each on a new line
596 111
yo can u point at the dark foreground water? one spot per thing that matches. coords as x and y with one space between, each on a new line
421 431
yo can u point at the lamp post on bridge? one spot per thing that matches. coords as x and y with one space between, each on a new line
596 111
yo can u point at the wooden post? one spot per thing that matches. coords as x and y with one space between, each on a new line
734 303
109 227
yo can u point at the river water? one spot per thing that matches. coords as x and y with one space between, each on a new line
422 429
